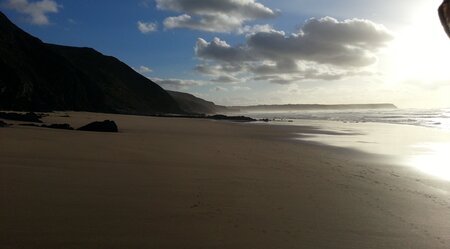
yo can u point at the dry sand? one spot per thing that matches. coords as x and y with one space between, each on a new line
191 183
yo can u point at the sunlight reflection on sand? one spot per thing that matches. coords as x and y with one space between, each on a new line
426 149
434 159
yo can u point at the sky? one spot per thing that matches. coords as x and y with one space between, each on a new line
247 52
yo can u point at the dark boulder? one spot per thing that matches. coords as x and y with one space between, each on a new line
3 124
104 126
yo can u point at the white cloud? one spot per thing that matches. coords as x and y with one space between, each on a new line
36 11
143 70
241 88
214 16
178 84
324 48
147 27
255 29
217 69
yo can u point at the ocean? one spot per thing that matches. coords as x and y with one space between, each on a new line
432 118
417 138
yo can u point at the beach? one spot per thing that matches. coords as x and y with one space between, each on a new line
197 183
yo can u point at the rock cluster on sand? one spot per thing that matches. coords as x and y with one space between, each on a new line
104 126
3 124
99 126
232 118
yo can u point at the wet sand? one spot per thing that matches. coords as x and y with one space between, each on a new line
191 183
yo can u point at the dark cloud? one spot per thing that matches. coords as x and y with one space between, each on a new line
281 67
363 33
220 50
324 48
275 46
325 41
214 16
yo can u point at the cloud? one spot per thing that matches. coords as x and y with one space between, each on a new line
324 48
36 11
207 23
219 89
147 27
241 88
220 50
208 69
325 41
221 73
226 79
247 29
213 16
143 70
362 32
177 84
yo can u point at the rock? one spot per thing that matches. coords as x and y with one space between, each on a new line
104 126
232 118
3 124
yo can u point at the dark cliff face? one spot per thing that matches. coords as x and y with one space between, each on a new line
191 104
35 76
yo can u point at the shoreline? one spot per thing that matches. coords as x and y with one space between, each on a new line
192 183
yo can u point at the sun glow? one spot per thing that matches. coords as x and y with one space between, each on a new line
421 51
435 159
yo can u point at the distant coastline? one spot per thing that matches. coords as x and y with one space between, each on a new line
296 107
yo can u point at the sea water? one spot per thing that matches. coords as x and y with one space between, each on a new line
418 138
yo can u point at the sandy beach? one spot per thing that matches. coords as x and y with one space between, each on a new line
194 183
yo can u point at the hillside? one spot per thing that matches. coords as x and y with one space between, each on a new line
36 76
